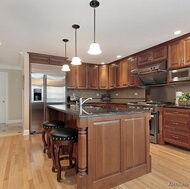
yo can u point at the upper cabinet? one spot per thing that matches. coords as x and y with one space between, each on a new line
114 75
179 53
93 73
103 76
77 77
153 55
127 80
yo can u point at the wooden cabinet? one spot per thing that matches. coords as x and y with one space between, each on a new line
93 73
77 77
152 55
119 153
71 78
176 126
127 80
103 77
179 53
114 75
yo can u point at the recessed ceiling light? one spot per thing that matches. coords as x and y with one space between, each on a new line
0 43
102 62
177 32
118 56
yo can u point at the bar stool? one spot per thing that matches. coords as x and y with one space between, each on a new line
65 137
48 126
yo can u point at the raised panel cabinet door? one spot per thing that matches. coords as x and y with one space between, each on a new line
118 75
124 73
103 77
112 76
133 142
71 78
159 53
133 80
144 58
82 76
187 52
106 143
175 54
93 77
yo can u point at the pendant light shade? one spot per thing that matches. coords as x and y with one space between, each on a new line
94 47
65 67
76 60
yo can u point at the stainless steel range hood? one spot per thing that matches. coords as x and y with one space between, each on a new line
153 74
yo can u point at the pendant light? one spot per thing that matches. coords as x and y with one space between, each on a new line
76 60
94 47
65 67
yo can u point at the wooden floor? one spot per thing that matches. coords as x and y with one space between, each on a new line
24 166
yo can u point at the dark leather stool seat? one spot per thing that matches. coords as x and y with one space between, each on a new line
65 137
48 126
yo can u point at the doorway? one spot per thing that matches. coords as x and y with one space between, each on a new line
3 97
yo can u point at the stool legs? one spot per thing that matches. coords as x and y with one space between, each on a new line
46 142
56 148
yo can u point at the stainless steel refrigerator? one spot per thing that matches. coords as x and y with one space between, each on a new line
45 89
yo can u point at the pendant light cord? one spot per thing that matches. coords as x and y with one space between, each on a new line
75 42
65 50
94 25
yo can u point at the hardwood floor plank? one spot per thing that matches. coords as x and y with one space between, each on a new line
24 166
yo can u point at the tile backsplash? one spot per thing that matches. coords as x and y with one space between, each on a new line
117 95
155 93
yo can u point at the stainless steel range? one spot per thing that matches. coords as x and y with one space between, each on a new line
154 121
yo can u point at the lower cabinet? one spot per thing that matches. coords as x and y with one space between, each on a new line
176 126
120 146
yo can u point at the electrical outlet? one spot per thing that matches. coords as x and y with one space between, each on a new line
97 94
135 94
116 94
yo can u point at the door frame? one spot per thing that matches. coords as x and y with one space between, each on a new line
6 95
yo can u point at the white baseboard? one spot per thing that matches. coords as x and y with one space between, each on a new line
26 132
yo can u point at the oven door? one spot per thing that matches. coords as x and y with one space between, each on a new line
153 124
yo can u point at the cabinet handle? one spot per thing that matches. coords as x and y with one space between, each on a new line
176 137
174 123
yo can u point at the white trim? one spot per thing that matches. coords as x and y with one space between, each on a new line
26 132
6 95
10 67
14 121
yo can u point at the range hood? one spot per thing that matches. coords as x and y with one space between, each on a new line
153 74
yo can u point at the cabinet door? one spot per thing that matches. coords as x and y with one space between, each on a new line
103 77
159 53
187 52
93 77
133 132
112 76
82 76
144 58
175 54
124 73
71 78
104 166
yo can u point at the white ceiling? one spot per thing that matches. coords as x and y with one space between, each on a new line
123 27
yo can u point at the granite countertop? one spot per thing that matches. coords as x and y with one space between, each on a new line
94 111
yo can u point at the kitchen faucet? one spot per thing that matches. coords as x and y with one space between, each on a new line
82 102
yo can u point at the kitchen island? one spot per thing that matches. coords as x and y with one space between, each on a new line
113 143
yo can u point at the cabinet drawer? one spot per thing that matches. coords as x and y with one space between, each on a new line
182 124
177 112
176 138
